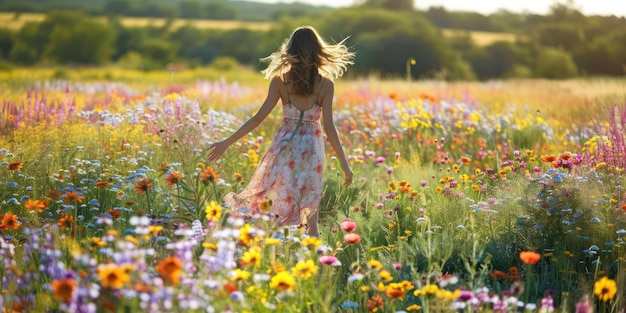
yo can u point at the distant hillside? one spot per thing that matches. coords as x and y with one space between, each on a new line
247 10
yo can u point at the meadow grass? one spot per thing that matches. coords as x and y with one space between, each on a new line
466 199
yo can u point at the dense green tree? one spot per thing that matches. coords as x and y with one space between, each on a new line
89 42
397 5
439 16
28 44
196 45
220 11
554 64
385 40
601 57
118 7
158 53
6 43
191 9
559 35
241 44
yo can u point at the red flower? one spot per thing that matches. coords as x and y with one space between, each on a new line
348 225
143 185
529 257
14 166
352 238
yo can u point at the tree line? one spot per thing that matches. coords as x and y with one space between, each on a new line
562 44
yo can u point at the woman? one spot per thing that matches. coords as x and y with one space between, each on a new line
291 172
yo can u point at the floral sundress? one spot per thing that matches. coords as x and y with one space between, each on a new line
291 172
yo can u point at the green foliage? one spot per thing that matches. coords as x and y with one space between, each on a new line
224 64
555 64
87 42
384 40
157 53
6 43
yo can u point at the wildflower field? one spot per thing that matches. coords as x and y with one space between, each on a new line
468 197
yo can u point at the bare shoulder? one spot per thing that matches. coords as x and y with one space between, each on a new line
327 85
276 80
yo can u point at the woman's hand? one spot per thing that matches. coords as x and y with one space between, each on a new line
216 150
349 175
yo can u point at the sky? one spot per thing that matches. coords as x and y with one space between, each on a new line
587 7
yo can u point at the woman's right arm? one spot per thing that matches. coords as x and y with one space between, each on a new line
217 149
331 132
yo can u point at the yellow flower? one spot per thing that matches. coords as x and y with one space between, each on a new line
605 289
304 269
210 245
266 205
413 307
213 211
251 257
247 235
269 241
282 281
430 290
113 276
375 264
385 275
311 242
171 97
239 274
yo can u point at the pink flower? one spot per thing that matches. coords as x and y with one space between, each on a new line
330 260
389 169
352 238
397 266
348 225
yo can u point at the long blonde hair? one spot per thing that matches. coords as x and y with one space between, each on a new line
305 55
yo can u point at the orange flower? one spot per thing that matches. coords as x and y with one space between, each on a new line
465 160
143 186
63 289
54 195
529 257
35 205
208 175
238 177
14 166
173 179
73 196
495 274
375 303
164 168
565 155
115 214
102 184
548 158
170 269
66 221
352 238
623 207
113 275
9 221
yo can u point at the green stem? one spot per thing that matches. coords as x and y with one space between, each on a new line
528 277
